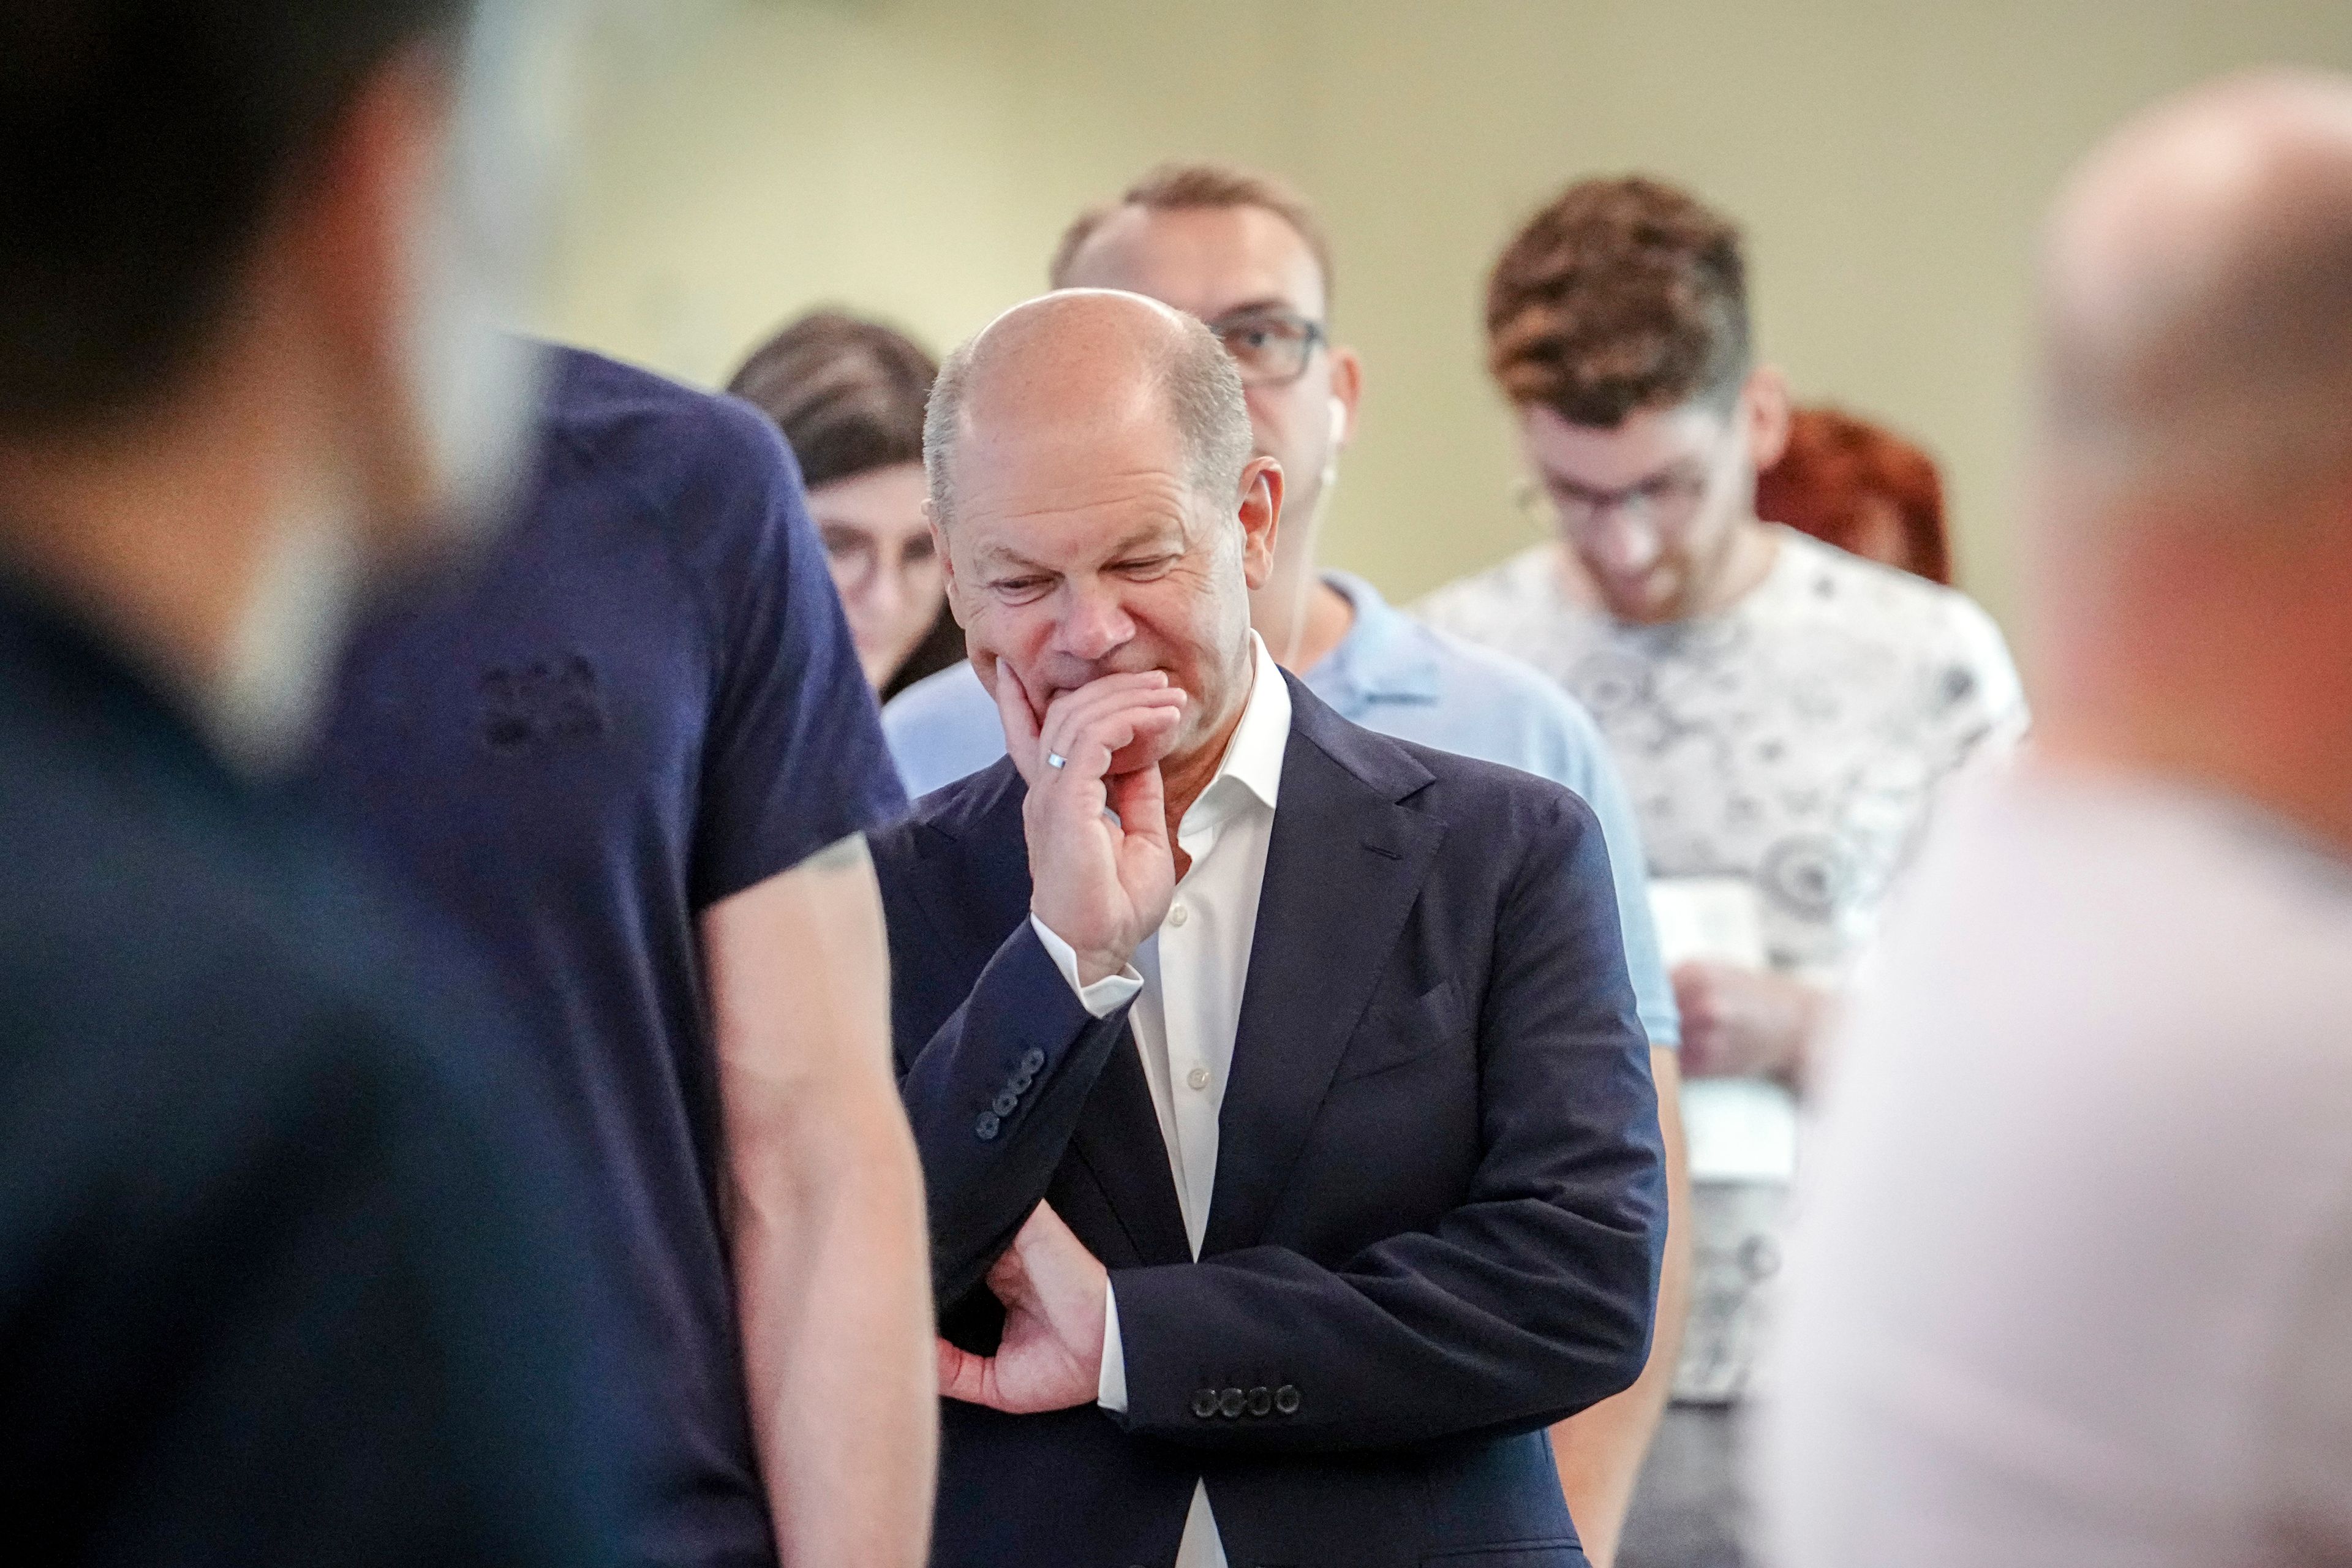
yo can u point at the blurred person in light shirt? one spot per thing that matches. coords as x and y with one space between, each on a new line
2072 1282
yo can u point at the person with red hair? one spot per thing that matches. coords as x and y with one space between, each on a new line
1860 487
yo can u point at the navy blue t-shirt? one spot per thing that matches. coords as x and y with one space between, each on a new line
646 701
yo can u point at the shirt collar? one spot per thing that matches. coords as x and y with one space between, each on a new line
1383 658
1252 762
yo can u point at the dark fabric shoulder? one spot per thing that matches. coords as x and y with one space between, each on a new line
973 803
794 758
617 407
969 810
660 441
296 1251
1455 777
1502 805
1467 791
1495 816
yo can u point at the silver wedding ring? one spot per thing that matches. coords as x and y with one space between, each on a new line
1056 760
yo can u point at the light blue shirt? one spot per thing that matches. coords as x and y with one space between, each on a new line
1392 674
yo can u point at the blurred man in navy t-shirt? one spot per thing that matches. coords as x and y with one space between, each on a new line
631 758
288 1275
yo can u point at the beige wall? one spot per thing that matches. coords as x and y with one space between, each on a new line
918 158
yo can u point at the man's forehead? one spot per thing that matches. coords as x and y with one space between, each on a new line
1206 261
1648 441
1029 448
1062 426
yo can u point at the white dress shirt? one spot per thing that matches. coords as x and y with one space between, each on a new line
1187 981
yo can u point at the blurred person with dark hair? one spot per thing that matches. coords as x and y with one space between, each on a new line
289 1267
848 395
2076 1246
1860 487
1783 714
632 757
1246 254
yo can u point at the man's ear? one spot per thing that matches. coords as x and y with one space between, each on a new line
1764 404
1348 389
947 564
353 233
1259 509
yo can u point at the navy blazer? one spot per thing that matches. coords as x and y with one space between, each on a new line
1440 1196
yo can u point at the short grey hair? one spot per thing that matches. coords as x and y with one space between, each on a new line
1198 387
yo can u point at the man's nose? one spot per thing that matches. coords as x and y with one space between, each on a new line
1624 543
1094 626
888 587
854 581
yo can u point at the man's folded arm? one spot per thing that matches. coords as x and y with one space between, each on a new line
1531 1299
1454 1334
995 1096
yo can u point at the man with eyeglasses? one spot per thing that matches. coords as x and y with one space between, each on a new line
1784 714
1246 255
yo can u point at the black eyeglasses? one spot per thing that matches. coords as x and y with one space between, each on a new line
1666 501
1270 348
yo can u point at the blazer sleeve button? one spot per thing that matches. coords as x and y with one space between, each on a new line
985 1128
1021 1082
1033 1061
1005 1104
1231 1402
1286 1399
1204 1402
1261 1400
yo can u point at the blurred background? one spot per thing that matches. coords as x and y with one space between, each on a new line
742 160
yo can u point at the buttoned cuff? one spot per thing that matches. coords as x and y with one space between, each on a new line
1111 1389
1105 995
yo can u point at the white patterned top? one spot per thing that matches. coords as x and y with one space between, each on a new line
1795 741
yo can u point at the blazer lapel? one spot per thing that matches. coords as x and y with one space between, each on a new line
1342 870
1118 1141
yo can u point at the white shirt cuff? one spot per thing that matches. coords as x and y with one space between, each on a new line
1105 995
1111 1389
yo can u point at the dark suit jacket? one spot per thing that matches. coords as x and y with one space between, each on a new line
1440 1196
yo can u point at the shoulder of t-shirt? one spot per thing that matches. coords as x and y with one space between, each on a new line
953 692
654 438
1466 603
1513 698
942 728
1920 598
1490 674
1929 609
709 475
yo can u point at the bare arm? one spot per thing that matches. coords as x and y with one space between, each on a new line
832 1270
1600 1450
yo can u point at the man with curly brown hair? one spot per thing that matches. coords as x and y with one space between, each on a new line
1782 712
